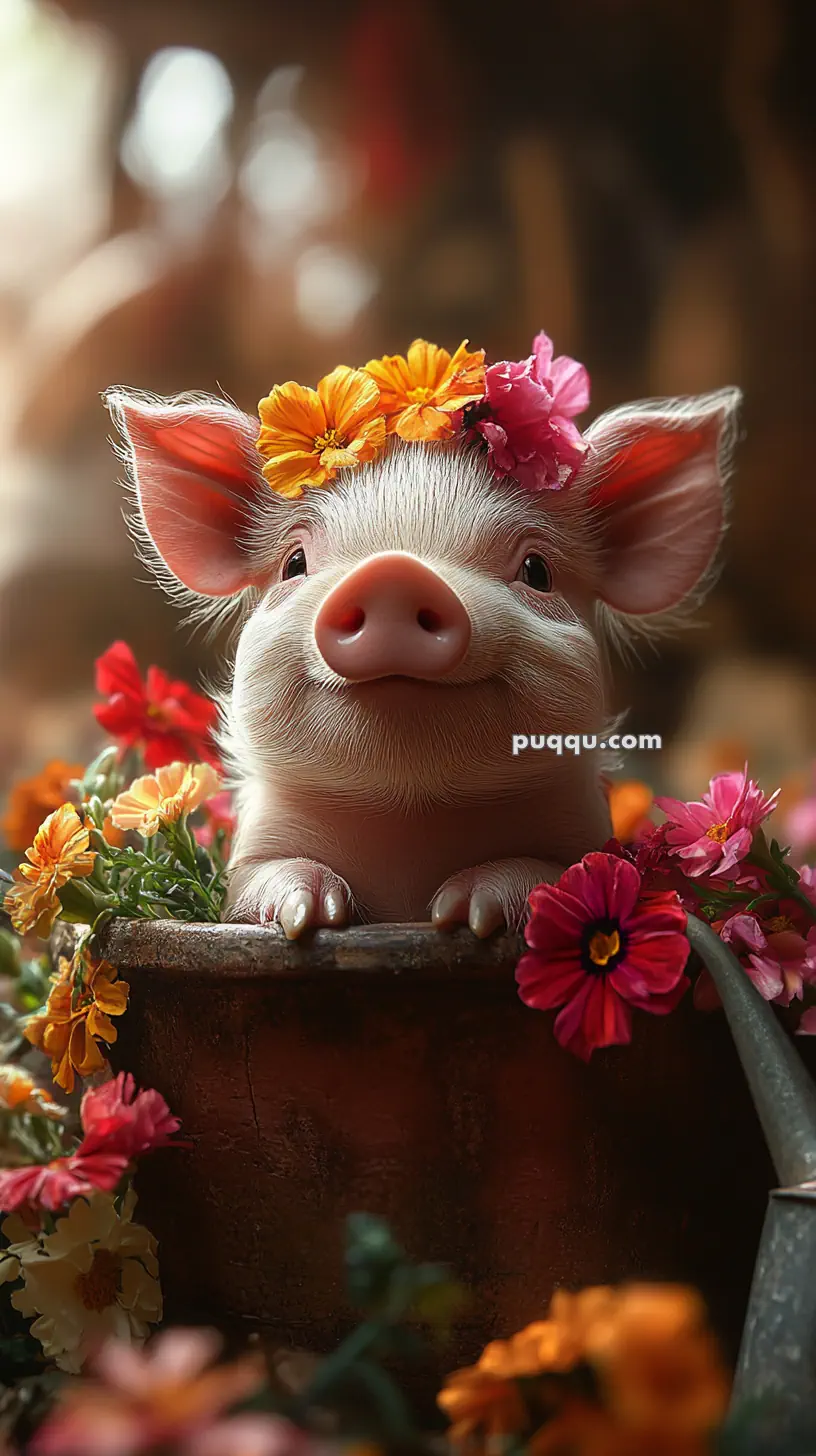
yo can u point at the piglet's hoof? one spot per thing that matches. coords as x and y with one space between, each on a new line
490 896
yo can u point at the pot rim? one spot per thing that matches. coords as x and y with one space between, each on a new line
201 949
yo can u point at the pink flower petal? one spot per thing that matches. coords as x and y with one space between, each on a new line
570 385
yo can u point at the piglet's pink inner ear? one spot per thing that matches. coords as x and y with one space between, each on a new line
197 475
656 473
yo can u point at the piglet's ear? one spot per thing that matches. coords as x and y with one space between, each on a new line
197 475
656 472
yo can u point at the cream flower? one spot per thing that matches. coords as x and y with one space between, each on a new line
163 797
94 1277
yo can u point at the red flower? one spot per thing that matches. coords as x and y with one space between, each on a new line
119 1120
162 716
119 1124
599 945
50 1185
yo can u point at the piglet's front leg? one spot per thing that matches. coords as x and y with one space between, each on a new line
490 895
299 894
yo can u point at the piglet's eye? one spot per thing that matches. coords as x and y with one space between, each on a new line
295 565
536 573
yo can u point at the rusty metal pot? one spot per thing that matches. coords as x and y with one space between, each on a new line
394 1070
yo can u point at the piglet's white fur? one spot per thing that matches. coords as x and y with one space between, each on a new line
389 799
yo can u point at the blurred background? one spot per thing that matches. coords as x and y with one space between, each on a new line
197 194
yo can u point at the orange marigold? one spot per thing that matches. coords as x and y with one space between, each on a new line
77 1016
660 1366
31 799
629 805
307 435
422 391
161 798
60 852
20 1093
481 1407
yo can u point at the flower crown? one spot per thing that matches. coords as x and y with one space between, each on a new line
522 412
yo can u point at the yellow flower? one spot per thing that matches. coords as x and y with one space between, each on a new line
31 799
20 1093
308 435
420 393
93 1278
77 1016
163 797
60 852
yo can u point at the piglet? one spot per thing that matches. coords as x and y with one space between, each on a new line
400 627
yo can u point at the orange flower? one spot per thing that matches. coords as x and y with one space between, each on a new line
660 1366
629 804
77 1016
20 1093
31 799
161 798
662 1389
482 1406
60 852
308 435
420 393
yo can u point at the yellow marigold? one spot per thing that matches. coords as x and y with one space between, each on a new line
163 797
307 435
77 1016
31 799
20 1093
420 392
60 852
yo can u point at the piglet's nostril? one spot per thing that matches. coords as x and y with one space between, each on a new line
392 616
351 620
429 620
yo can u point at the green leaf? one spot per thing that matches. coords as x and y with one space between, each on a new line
373 1258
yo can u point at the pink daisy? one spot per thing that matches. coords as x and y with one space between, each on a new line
600 945
713 836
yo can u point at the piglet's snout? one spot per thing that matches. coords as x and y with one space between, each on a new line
390 616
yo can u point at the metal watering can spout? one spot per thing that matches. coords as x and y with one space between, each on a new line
776 1370
783 1092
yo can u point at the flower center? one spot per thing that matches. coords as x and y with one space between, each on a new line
99 1288
777 923
718 832
330 441
603 947
420 395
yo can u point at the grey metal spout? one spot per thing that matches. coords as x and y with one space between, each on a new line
775 1381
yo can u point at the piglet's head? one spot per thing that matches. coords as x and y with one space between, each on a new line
403 622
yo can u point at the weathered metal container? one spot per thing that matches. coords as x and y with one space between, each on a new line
394 1070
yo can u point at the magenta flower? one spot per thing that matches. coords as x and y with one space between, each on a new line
599 945
526 417
713 836
780 959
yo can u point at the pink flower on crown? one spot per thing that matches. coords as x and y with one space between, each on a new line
712 836
526 417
